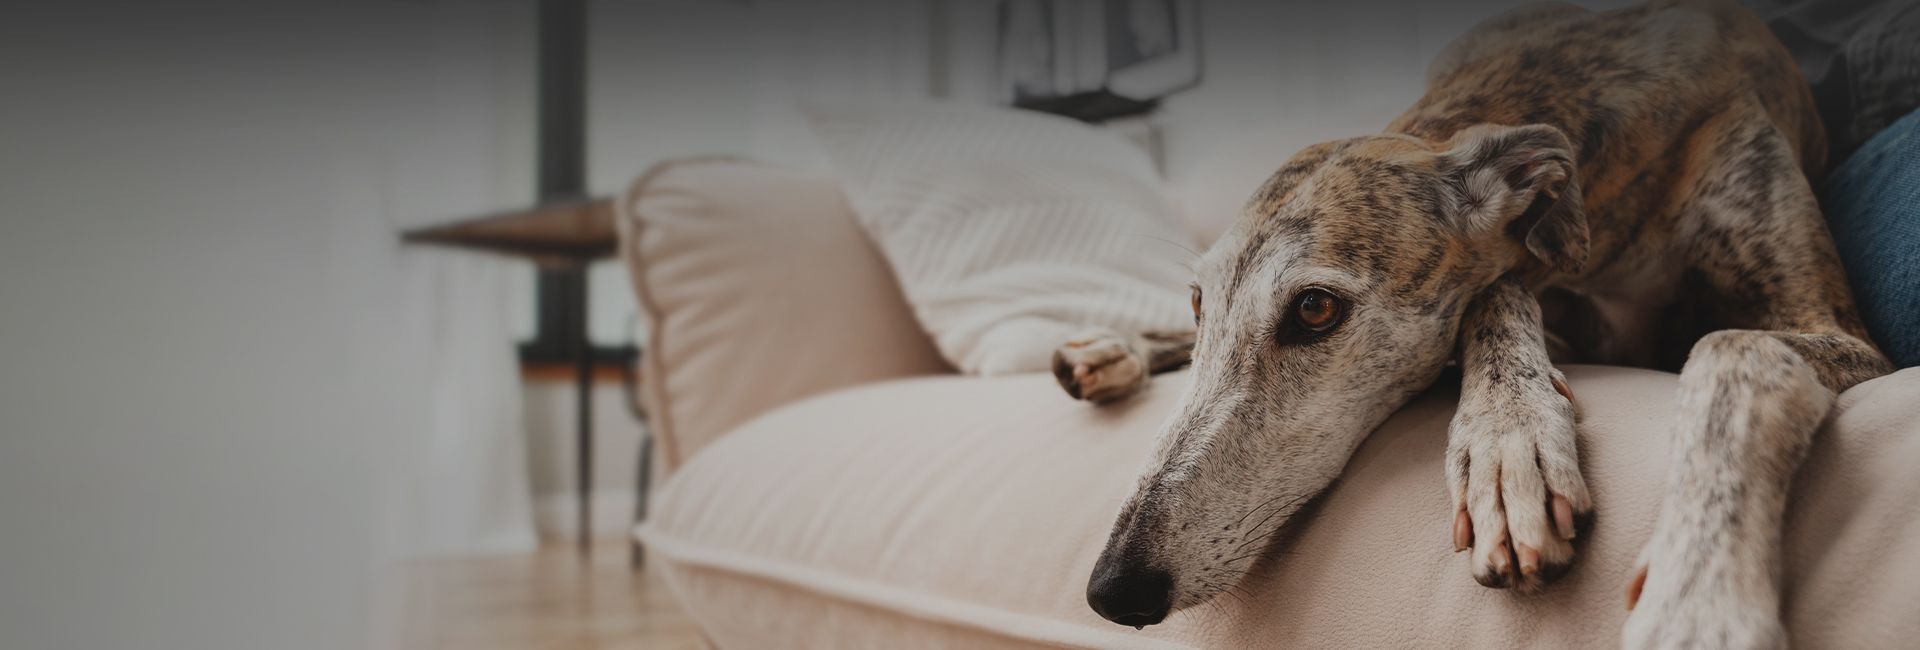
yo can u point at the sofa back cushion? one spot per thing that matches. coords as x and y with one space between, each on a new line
757 289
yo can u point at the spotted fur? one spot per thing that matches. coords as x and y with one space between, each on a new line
1627 187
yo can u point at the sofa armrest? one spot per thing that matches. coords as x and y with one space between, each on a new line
757 288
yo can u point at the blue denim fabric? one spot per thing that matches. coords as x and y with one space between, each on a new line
1873 208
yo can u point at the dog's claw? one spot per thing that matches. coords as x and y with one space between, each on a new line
1638 583
1563 517
1560 386
1501 564
1462 530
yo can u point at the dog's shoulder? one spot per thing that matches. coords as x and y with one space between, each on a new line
1648 33
1492 33
1628 79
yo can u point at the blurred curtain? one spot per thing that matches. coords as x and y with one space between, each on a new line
462 464
452 137
235 395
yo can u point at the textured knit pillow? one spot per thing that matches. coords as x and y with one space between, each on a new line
1873 207
1010 231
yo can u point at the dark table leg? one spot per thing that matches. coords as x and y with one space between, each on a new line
563 336
643 465
637 554
583 387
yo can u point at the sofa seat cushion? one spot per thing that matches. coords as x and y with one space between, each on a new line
967 512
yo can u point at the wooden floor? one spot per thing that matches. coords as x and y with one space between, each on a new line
549 599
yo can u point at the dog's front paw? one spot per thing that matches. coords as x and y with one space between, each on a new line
1683 603
1099 366
1519 499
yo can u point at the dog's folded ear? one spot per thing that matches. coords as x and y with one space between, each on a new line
1518 181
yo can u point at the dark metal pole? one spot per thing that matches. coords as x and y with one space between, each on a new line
563 176
563 100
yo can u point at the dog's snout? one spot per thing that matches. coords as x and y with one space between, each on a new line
1134 596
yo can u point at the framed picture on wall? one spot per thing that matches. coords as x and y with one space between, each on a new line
1152 47
1028 40
1096 59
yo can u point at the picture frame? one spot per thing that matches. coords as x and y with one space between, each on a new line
1095 60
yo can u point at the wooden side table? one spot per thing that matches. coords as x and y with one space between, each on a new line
562 239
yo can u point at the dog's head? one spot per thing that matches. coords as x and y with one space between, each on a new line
1335 298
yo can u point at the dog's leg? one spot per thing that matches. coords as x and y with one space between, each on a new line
1750 402
1511 460
1750 399
1102 366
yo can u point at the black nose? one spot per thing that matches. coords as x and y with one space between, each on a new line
1136 597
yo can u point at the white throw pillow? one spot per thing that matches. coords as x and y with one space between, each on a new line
1011 231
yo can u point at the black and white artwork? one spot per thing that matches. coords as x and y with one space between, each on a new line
1027 41
1140 31
1096 59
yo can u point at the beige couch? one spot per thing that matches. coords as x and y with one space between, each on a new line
831 484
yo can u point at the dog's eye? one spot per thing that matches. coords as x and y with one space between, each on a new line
1318 310
1196 304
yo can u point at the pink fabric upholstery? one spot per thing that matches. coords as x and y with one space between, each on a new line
757 289
967 512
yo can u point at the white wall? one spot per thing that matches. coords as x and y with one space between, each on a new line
198 380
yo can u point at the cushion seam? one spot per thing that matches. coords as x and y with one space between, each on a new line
631 225
795 576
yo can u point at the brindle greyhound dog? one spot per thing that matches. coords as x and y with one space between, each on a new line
1634 182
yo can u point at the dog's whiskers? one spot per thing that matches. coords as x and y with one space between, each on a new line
1267 537
1192 254
1227 590
1263 504
1245 597
1261 525
1256 553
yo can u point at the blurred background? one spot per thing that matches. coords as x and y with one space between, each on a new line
238 411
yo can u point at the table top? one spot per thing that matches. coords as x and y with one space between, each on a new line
566 232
